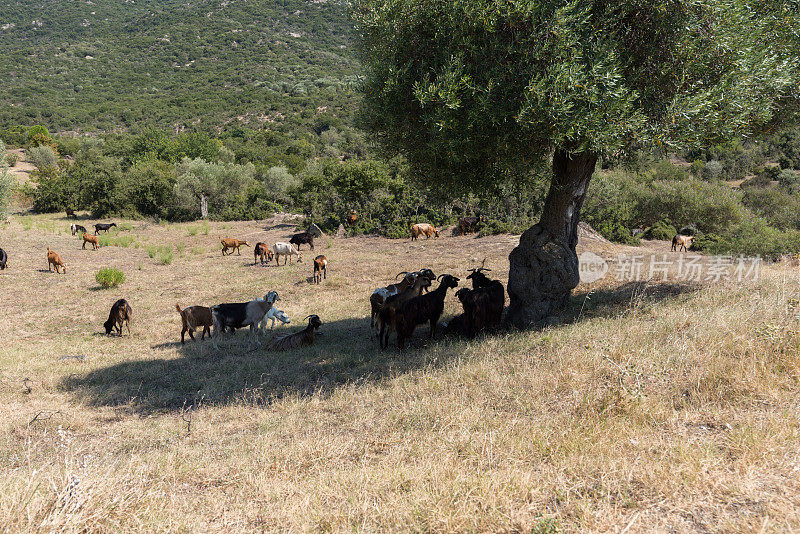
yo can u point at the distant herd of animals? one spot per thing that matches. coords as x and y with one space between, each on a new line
397 308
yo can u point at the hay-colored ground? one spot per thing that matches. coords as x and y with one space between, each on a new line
652 407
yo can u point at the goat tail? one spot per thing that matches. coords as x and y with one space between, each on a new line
178 307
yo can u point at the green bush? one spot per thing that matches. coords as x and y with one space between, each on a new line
661 230
43 157
108 277
753 237
12 158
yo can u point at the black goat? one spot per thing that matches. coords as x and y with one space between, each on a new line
120 313
422 309
3 259
468 225
103 226
495 298
390 308
75 228
301 239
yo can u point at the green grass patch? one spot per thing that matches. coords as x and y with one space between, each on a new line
109 277
123 241
161 253
193 230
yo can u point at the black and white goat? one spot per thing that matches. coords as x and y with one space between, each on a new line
241 314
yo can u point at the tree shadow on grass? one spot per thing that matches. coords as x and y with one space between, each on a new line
344 353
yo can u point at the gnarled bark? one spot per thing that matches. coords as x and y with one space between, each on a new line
544 266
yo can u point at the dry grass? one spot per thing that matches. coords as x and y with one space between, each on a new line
652 408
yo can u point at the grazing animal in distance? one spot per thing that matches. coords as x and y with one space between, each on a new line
103 226
4 259
682 242
320 268
89 238
241 314
262 251
193 318
422 309
286 250
352 217
423 229
55 260
301 239
120 313
75 228
231 243
303 338
71 213
469 225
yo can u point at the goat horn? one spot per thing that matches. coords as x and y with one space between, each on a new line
472 270
481 269
398 274
440 276
483 262
307 316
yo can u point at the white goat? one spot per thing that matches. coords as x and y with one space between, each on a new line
272 315
286 249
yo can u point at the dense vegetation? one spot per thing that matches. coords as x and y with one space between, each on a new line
106 66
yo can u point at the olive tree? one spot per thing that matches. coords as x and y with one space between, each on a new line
472 92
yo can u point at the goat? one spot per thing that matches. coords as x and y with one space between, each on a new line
386 316
379 296
303 338
193 318
89 238
273 314
352 217
682 242
75 228
468 225
422 309
261 250
423 229
495 299
286 249
4 259
320 269
55 260
231 243
103 226
241 314
301 239
120 313
71 213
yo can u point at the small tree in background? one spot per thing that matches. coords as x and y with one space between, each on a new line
471 91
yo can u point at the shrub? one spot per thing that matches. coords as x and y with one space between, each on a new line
712 171
108 277
43 157
662 230
165 257
12 158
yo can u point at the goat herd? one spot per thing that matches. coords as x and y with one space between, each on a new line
399 307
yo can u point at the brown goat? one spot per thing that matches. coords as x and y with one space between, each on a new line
262 251
89 238
320 268
193 318
423 229
386 317
682 242
303 338
352 217
55 260
231 243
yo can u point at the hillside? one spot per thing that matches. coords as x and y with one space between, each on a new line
107 66
652 407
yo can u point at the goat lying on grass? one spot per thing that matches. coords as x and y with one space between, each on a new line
303 338
120 313
193 318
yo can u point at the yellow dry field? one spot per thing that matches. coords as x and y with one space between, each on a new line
650 407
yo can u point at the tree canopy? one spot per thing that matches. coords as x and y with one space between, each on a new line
468 89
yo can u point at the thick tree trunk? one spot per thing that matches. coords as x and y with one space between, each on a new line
544 266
